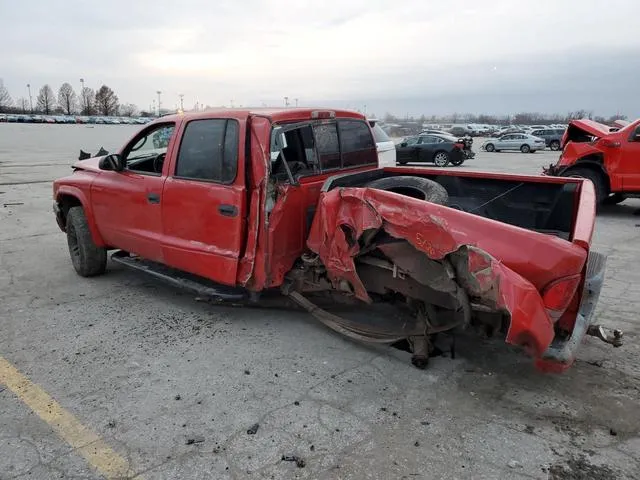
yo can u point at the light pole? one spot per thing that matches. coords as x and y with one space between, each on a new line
30 99
181 95
159 104
296 102
83 97
154 105
286 101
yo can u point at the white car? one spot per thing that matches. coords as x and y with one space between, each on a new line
514 141
385 146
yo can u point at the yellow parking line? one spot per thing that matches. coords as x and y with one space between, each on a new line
95 451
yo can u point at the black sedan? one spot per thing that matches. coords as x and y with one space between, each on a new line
437 148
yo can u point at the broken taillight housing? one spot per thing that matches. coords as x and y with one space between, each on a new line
558 294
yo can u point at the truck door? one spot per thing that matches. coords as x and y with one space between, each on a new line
204 200
629 166
126 204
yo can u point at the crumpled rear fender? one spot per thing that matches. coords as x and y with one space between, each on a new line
343 215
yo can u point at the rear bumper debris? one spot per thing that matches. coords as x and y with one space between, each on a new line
562 352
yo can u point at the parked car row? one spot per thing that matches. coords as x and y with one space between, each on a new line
73 119
480 130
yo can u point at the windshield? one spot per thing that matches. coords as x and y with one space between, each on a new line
379 134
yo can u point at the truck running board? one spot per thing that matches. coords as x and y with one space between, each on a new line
178 278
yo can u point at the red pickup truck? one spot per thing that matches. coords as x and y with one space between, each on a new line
238 203
608 156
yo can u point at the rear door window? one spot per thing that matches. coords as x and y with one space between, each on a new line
356 143
209 151
327 144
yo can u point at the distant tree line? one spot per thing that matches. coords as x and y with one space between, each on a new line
67 102
523 118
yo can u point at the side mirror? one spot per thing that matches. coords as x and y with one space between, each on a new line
112 162
403 144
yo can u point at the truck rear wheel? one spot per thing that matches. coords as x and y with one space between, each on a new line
88 259
595 177
415 187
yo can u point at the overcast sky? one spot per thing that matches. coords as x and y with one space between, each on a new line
401 56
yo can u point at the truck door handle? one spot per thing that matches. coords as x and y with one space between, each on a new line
153 198
228 210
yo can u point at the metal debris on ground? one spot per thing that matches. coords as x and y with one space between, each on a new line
194 439
253 429
300 463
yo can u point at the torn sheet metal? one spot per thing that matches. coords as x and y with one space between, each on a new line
500 265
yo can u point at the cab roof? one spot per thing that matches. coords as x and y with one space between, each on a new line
276 115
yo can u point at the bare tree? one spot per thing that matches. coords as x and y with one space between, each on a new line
5 98
390 118
87 99
46 101
22 104
106 101
615 117
129 110
67 99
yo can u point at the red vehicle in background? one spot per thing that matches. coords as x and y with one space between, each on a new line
608 156
238 203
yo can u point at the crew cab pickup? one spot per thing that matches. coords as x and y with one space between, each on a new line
239 203
607 156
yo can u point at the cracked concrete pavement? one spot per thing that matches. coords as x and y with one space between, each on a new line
147 367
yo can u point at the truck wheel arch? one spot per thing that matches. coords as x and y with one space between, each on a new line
596 168
67 198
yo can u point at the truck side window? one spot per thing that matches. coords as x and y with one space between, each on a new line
145 154
356 142
326 136
209 151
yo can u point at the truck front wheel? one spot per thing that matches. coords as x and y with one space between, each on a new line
596 178
88 259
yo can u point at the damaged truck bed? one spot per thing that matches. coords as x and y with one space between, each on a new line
293 201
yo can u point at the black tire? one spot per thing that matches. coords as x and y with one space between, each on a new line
525 148
402 162
554 145
415 187
489 147
458 161
441 159
88 259
614 199
595 177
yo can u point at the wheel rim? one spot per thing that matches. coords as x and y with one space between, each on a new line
440 159
490 147
555 146
524 149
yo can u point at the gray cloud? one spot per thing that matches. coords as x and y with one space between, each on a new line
431 57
